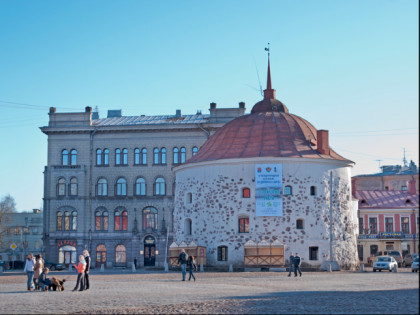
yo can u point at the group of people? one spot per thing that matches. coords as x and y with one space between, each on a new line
37 273
187 261
294 264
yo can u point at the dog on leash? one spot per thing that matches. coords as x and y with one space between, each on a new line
57 284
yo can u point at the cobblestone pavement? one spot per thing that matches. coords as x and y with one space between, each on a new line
125 292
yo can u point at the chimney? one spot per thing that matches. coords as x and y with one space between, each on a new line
178 113
212 105
322 144
52 110
88 109
353 186
412 187
241 104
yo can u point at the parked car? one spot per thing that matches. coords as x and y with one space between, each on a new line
415 265
54 266
394 253
408 259
4 264
385 263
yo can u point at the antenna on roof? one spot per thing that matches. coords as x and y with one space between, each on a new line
404 159
267 49
379 161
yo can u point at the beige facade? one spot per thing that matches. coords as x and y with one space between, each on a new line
109 184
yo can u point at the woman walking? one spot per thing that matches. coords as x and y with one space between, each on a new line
29 269
80 273
39 266
191 264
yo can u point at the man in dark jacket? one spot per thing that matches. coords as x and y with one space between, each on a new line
87 259
291 263
182 259
297 265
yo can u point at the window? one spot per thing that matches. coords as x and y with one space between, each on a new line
98 157
160 187
194 151
188 227
373 249
389 225
65 157
98 217
120 254
246 193
102 187
156 156
74 220
140 189
144 156
117 157
163 156
405 225
183 155
37 244
106 157
313 253
313 191
299 224
61 187
16 231
288 190
59 221
373 226
121 187
189 198
176 155
222 253
67 221
101 220
73 157
73 186
125 157
150 218
136 156
120 220
360 252
361 229
404 187
243 225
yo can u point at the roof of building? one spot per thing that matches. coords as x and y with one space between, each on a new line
388 170
386 199
151 120
269 131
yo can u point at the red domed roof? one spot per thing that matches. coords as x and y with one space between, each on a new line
263 134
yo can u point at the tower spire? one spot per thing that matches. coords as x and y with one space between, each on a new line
269 92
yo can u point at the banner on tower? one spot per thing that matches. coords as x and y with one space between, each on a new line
268 190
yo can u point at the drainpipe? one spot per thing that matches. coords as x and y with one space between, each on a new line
90 188
205 131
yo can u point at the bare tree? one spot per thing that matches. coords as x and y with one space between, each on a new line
7 206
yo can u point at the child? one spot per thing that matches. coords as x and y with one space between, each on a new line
191 264
39 266
80 273
43 280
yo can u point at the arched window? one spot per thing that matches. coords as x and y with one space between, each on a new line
120 254
194 151
160 186
299 224
73 157
73 186
150 218
243 223
105 221
125 157
98 217
98 157
155 156
65 157
163 156
120 220
313 191
59 221
61 187
101 220
246 193
140 188
137 156
117 157
124 219
144 156
100 255
188 227
183 155
106 157
74 220
176 155
67 221
102 187
287 190
222 253
121 187
117 220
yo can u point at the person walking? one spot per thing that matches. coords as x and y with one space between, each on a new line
39 266
182 259
297 265
191 264
87 269
291 263
29 269
80 273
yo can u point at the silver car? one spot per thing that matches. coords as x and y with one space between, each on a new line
385 263
415 265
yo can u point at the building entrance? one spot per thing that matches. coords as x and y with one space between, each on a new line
100 255
149 251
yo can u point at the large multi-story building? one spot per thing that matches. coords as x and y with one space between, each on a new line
23 235
109 184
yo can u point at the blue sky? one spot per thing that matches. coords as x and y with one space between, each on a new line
350 67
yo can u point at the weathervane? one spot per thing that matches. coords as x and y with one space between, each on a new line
268 49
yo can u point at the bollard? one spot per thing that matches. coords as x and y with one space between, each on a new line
70 268
395 268
165 265
133 268
1 269
329 268
102 268
362 267
201 268
230 268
